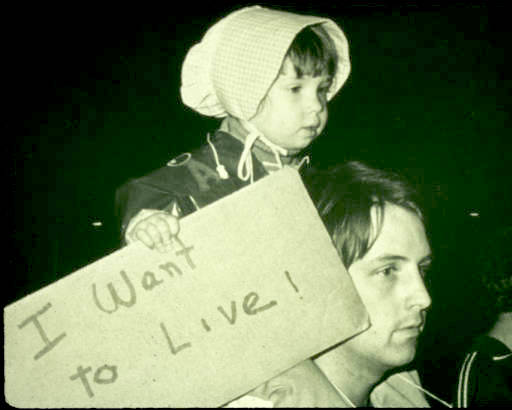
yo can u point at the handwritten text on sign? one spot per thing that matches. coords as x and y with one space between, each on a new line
233 305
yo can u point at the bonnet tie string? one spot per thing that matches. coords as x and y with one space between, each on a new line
245 166
220 168
245 170
305 160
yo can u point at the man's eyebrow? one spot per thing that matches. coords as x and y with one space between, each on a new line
389 257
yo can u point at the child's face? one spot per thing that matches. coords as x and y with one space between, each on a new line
294 111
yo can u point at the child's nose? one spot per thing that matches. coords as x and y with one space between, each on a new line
314 103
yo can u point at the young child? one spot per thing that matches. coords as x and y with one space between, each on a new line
269 75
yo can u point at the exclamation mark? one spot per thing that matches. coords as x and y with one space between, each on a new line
291 282
205 325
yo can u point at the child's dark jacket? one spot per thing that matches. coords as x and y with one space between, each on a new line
188 181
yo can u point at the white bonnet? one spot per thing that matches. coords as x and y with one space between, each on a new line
239 57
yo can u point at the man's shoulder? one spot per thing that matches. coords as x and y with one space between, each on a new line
401 389
303 385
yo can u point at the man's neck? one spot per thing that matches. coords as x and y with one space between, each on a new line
502 329
355 378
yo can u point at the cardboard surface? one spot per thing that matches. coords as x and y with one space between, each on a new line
252 287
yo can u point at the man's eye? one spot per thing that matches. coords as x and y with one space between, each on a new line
424 269
295 89
387 271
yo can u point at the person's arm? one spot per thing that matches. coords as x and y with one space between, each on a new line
467 380
303 385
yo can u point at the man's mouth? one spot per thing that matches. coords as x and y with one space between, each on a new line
417 324
410 331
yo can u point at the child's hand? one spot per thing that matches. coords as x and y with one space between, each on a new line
154 229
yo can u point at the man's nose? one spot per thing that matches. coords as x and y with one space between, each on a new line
417 295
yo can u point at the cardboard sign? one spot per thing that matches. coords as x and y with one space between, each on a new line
252 287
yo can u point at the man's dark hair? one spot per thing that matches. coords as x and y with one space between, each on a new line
344 196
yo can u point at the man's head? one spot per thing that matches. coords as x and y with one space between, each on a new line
378 230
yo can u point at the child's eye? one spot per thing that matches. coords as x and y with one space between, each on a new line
324 89
295 89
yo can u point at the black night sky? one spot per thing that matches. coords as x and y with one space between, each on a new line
97 98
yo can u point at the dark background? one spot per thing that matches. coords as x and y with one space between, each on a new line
96 95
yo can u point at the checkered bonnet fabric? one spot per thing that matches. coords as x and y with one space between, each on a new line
238 59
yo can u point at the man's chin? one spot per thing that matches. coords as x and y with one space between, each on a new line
404 354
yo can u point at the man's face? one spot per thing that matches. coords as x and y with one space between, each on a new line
389 279
294 111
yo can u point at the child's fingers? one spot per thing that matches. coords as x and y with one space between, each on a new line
153 231
172 225
162 226
168 226
157 230
143 236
